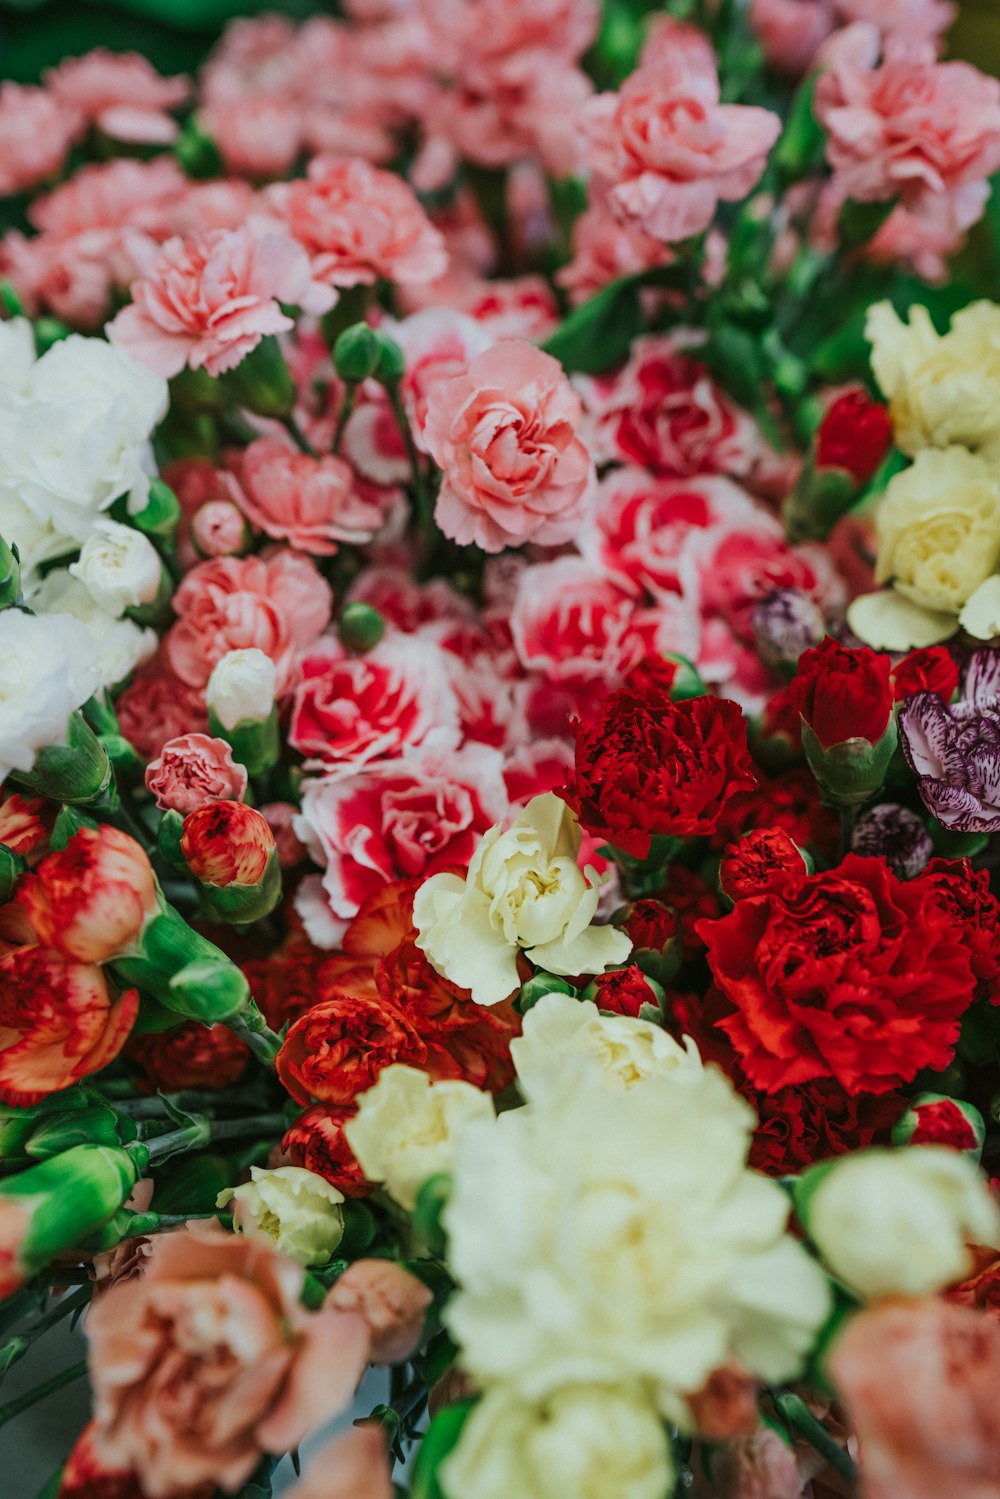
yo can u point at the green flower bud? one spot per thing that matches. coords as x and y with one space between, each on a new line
936 1119
186 973
97 1124
391 361
60 1203
197 152
241 903
851 772
161 513
10 302
49 331
10 575
262 382
360 627
537 987
356 353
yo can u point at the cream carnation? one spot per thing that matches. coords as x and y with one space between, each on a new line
627 1050
298 1211
602 1235
241 688
119 566
48 668
587 1441
524 891
899 1222
406 1128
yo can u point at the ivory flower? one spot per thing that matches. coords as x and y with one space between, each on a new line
48 667
295 1209
119 566
524 891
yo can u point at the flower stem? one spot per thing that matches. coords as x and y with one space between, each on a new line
16 1347
801 1419
344 415
31 1397
297 435
261 1039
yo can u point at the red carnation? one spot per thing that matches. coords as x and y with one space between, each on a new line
649 766
933 669
317 1141
850 974
191 1055
623 991
942 1122
227 843
843 694
799 1126
855 435
964 894
761 861
337 1049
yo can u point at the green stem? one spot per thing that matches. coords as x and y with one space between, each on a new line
801 1419
261 1039
848 817
344 415
297 435
207 1131
31 1397
16 1347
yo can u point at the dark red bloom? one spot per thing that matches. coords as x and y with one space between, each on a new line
932 669
943 1123
789 801
652 673
813 1122
649 766
761 861
623 991
317 1141
855 435
964 894
692 898
191 1055
850 974
843 694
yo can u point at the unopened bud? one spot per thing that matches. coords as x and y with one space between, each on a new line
785 624
895 834
10 575
360 627
230 848
78 771
356 353
935 1119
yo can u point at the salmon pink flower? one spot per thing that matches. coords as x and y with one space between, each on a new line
193 772
312 503
121 93
91 899
226 843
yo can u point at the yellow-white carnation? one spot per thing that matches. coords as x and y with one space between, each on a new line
406 1128
297 1210
584 1442
524 891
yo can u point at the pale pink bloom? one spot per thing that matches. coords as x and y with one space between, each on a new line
910 20
726 1405
71 279
358 223
927 235
157 706
760 1466
518 307
122 94
354 1465
257 136
192 772
400 819
391 1301
571 622
438 344
668 150
352 709
677 49
910 127
605 249
280 816
496 44
218 529
208 300
208 1360
535 767
256 55
225 204
404 602
791 32
36 132
128 1258
919 1384
111 195
505 434
312 503
278 604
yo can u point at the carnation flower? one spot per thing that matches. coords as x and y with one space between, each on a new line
650 767
312 503
193 772
336 1050
317 1141
855 435
764 860
955 751
189 1055
295 1210
48 669
121 93
354 1463
91 899
843 694
119 566
225 843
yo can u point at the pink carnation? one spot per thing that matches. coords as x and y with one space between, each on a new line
604 249
258 136
279 604
358 223
910 20
791 32
208 300
912 126
312 503
122 94
505 434
667 148
36 132
194 771
158 706
112 195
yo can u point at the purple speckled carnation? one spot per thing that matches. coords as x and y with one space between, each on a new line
897 834
955 751
785 624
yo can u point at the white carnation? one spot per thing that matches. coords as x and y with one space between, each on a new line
299 1212
241 688
119 567
17 356
119 645
48 668
524 891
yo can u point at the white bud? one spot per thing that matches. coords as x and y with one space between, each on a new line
297 1210
241 688
119 567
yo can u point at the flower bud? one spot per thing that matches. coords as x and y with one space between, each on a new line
853 771
119 567
78 771
844 699
537 986
895 834
360 627
219 529
58 1204
936 1119
897 1222
295 1209
262 381
356 353
655 933
241 707
10 575
184 972
391 365
762 861
785 624
161 513
627 991
852 441
230 848
96 1124
91 899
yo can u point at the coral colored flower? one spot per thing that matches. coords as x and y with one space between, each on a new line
843 694
855 435
227 843
36 132
353 1465
121 93
91 899
392 1302
648 767
912 127
669 150
192 772
157 706
505 434
217 1317
358 223
312 503
58 1023
761 862
208 300
850 974
24 823
317 1141
918 1381
191 1055
791 31
338 1047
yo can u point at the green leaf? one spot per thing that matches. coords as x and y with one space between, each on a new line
599 333
442 1436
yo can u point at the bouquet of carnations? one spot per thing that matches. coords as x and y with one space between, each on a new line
500 743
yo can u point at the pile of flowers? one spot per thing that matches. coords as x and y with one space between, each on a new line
500 754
